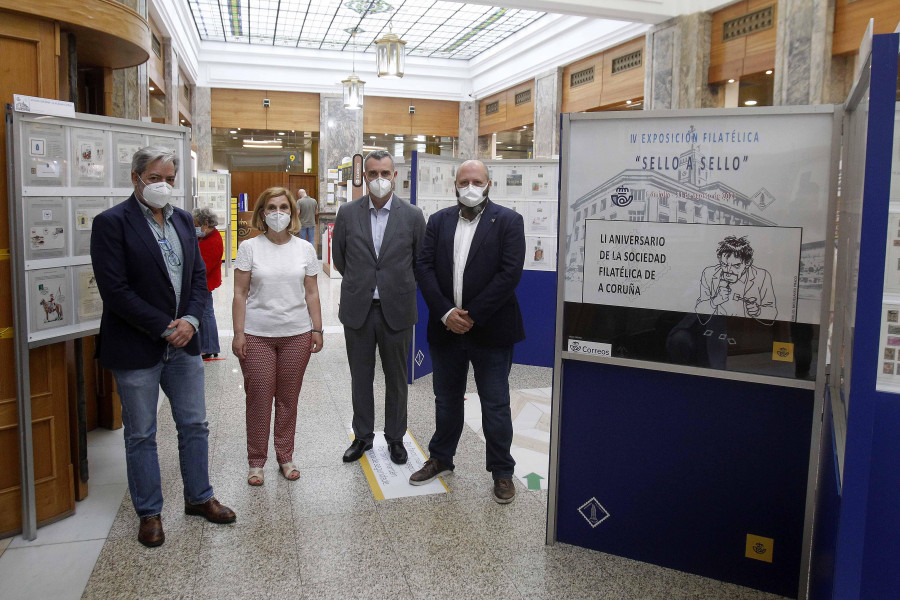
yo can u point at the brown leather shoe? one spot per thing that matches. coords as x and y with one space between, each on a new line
431 470
504 491
150 532
212 510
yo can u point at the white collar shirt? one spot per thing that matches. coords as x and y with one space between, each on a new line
378 218
462 243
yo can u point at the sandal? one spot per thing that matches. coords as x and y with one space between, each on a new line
255 477
290 472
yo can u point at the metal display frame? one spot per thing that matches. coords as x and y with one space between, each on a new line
25 339
226 229
818 385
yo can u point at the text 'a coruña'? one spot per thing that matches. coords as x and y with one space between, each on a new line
628 289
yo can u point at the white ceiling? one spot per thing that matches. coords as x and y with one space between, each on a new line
572 30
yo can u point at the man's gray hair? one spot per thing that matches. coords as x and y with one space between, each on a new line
151 154
378 155
205 216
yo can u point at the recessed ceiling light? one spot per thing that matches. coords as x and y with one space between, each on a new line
524 126
152 89
233 131
182 120
398 138
769 72
371 137
292 131
239 128
731 81
280 133
509 147
749 102
628 102
234 137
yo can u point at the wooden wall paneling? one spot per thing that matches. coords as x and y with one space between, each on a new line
586 96
434 117
494 122
517 116
244 108
760 47
851 19
726 59
254 183
382 114
155 67
30 50
627 85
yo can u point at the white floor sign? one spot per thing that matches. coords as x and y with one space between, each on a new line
388 480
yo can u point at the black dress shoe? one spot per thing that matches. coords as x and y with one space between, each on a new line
356 450
398 453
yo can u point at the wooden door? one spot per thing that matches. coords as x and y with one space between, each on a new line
29 54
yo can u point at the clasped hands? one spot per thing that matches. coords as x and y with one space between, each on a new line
182 334
459 321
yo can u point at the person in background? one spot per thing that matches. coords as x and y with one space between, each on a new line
470 265
151 278
277 325
309 210
211 249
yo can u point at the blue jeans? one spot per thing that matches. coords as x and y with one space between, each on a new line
209 329
308 233
181 377
491 366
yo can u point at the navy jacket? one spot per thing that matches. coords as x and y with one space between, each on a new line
138 297
493 270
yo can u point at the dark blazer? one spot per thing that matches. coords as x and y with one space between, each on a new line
354 256
138 297
493 270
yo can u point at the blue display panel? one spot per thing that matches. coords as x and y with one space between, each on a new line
687 468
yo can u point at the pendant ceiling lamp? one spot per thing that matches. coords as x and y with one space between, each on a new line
390 55
353 86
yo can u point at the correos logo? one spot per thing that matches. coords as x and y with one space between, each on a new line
591 348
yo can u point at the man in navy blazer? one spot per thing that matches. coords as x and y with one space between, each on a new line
470 264
152 280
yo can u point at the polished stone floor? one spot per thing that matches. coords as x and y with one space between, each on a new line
325 536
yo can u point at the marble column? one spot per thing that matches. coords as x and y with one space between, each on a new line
340 135
676 63
467 147
201 128
547 106
170 66
131 93
803 51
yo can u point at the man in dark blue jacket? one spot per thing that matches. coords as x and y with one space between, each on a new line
470 264
153 283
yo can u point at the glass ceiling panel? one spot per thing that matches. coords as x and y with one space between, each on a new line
430 27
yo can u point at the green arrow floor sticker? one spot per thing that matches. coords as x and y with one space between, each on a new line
534 481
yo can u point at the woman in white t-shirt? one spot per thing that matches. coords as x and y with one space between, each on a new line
277 325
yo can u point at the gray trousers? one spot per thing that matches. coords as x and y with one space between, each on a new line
393 348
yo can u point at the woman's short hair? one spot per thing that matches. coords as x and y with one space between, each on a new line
205 216
258 220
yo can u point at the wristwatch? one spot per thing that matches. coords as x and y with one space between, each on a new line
318 331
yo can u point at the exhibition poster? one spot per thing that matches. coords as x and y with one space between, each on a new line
46 224
90 154
698 240
45 158
90 306
49 303
124 147
84 210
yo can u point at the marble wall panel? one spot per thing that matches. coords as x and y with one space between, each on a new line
803 51
340 135
547 106
677 64
467 147
170 64
201 130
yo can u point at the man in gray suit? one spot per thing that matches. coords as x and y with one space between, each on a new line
376 240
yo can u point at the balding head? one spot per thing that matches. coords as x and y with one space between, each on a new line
473 172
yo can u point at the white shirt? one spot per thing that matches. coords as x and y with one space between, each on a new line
462 243
276 304
378 218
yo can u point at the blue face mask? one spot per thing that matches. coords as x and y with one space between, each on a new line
199 231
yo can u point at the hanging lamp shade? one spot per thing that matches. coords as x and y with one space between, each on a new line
353 92
390 55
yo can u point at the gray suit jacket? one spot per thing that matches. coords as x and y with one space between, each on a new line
354 256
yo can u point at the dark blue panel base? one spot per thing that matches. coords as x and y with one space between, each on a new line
828 507
687 467
537 301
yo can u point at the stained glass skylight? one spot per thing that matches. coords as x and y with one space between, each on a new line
430 27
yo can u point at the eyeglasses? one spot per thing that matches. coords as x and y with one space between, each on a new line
169 253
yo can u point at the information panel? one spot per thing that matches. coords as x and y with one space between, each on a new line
698 240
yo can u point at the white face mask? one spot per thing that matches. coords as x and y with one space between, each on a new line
199 231
278 221
471 195
380 187
157 194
